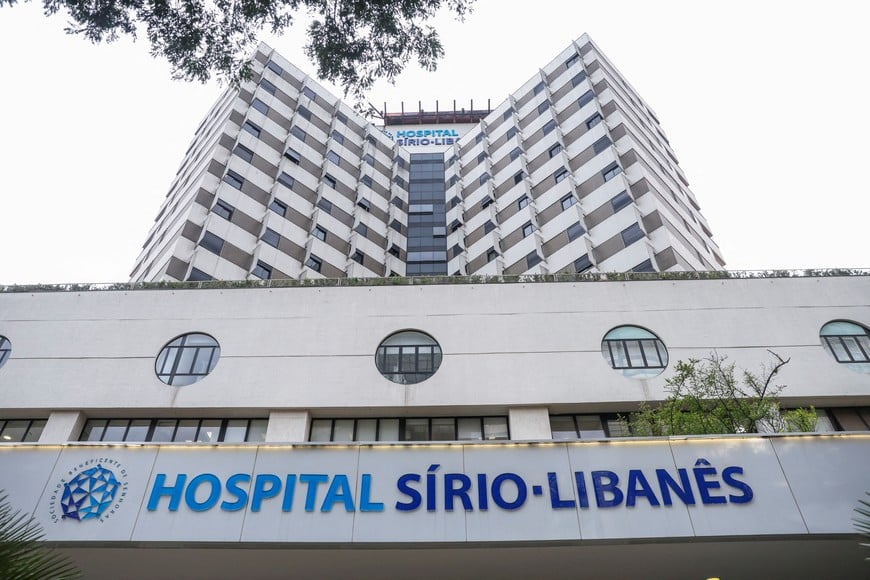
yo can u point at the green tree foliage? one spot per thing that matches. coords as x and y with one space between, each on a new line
709 396
22 555
352 42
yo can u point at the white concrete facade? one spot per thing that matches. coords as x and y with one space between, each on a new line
523 350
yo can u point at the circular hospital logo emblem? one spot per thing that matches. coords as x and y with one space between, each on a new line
94 489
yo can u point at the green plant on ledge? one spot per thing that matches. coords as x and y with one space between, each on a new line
709 396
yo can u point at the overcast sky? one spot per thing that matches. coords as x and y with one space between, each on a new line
767 105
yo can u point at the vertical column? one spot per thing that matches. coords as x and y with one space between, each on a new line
427 228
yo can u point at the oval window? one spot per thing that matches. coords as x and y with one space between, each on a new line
635 352
408 357
187 359
848 343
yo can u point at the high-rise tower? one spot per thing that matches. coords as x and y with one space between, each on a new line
570 173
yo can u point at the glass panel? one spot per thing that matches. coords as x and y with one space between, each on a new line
563 428
197 339
201 364
469 429
15 431
628 332
388 430
838 349
590 427
852 346
823 422
443 429
424 360
392 359
93 430
236 431
183 380
163 431
257 430
617 428
116 430
366 429
321 430
185 362
865 415
168 360
138 430
343 430
634 354
841 327
409 355
652 355
186 432
495 428
209 431
416 430
849 419
614 350
35 430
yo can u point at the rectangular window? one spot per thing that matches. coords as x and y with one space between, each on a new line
621 200
396 225
538 88
560 175
488 226
223 209
197 275
262 270
260 106
549 126
507 114
166 430
333 157
421 208
252 129
362 230
486 202
568 201
293 156
593 120
543 106
400 161
314 263
491 255
309 93
338 137
575 231
398 203
483 178
244 153
358 257
528 229
511 132
369 159
533 259
516 152
523 202
304 113
299 134
320 233
555 150
342 118
582 263
395 250
234 179
481 157
278 207
365 204
574 59
212 243
519 177
479 138
601 145
578 78
274 68
271 237
631 234
645 266
267 86
286 180
371 139
330 181
367 180
325 205
611 171
586 98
